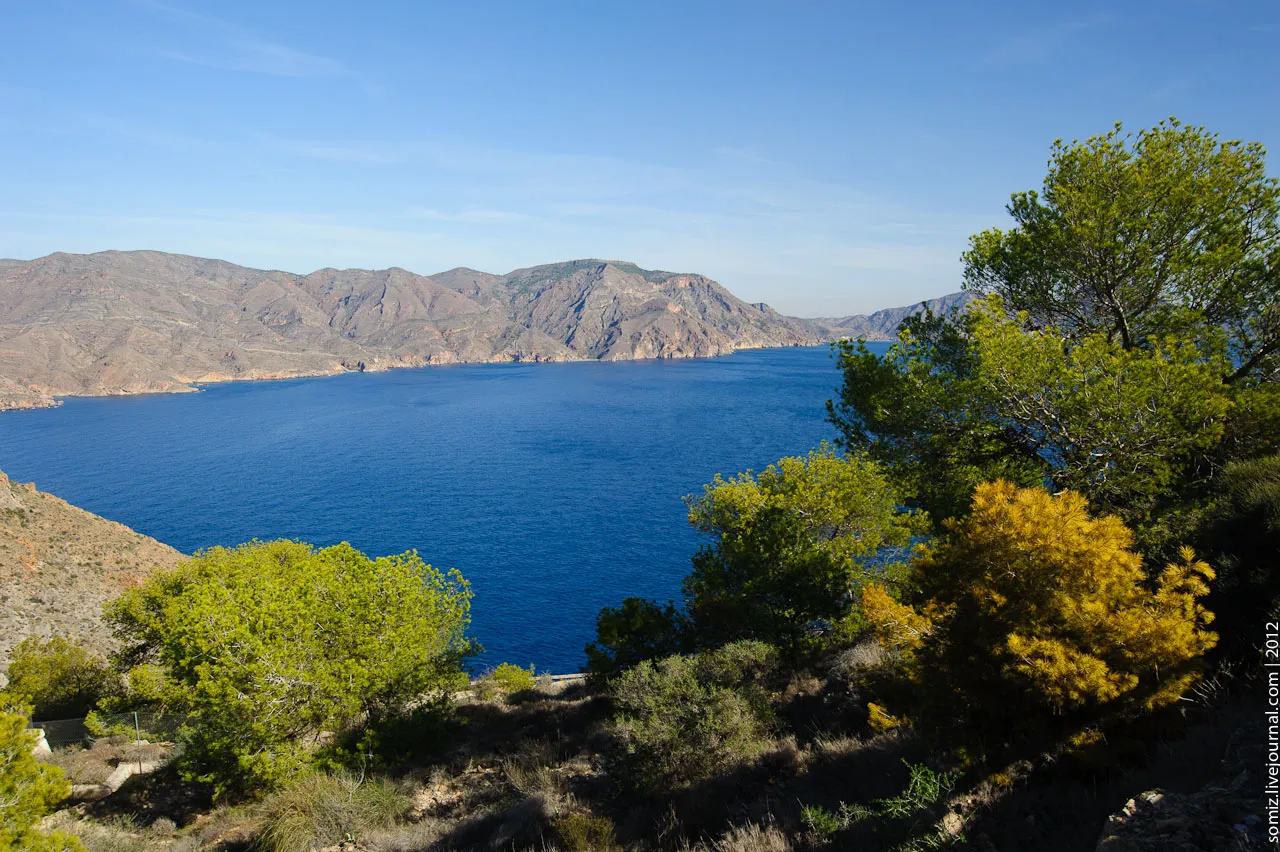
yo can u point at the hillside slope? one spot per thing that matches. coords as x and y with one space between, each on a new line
60 564
143 321
883 325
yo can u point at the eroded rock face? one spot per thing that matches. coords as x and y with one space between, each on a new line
1215 818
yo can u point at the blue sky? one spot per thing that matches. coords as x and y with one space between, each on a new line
828 158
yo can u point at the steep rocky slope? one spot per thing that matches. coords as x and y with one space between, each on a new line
60 564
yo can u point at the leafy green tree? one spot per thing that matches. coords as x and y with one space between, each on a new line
988 396
1032 614
1171 231
1129 350
789 550
59 677
29 789
268 644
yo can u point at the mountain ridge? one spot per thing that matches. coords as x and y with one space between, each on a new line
116 322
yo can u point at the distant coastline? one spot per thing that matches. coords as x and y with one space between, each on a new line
203 383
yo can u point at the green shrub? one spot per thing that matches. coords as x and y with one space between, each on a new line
820 821
60 678
268 643
504 679
318 810
583 832
686 718
926 789
29 789
788 549
790 546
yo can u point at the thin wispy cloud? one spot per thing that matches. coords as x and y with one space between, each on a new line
261 57
475 217
1038 44
334 151
227 46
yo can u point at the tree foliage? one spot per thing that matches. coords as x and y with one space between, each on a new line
637 630
29 789
59 677
1128 347
1171 231
269 643
791 546
961 400
1029 608
789 550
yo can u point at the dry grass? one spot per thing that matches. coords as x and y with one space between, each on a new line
754 838
748 837
850 664
410 837
94 764
319 810
120 834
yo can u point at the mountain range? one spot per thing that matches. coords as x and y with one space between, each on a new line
146 322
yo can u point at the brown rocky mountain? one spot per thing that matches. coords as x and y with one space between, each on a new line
144 321
60 564
138 322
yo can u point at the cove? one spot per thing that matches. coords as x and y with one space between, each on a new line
555 488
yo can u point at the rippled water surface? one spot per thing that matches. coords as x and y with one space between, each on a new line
555 488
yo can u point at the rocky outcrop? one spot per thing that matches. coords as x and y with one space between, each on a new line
1216 818
1226 815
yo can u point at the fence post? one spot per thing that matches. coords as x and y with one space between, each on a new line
138 731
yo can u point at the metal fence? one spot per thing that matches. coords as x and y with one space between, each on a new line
142 725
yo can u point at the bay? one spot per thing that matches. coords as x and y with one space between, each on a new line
555 488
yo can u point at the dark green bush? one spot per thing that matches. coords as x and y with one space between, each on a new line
1240 538
636 631
687 718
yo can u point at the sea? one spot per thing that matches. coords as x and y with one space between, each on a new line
556 489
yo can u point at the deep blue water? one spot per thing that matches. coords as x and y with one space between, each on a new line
555 488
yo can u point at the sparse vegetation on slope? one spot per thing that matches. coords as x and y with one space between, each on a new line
59 565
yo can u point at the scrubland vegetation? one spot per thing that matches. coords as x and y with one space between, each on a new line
1026 586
